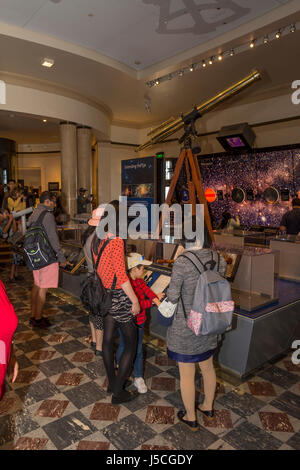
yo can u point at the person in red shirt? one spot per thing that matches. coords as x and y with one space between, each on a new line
8 325
147 298
125 304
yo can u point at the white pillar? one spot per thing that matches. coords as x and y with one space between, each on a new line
84 158
68 137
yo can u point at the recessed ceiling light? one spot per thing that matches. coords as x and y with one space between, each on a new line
44 120
47 63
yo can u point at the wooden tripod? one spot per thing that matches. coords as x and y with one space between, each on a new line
195 186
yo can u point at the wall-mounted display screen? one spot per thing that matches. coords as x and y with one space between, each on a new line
235 142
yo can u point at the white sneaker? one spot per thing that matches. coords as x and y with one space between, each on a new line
139 383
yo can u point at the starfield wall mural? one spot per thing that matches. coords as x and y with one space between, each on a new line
258 187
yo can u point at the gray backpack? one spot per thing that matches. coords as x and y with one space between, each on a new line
212 308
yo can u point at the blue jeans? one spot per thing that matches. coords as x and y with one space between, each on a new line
138 363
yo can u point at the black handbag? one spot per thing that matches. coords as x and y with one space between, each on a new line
94 296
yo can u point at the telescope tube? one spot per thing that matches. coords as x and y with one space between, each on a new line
160 134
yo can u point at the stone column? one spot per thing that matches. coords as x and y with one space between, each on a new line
84 158
104 173
68 138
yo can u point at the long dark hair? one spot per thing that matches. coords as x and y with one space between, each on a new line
87 233
226 217
207 242
115 218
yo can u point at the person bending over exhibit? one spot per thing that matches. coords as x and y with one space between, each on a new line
96 321
228 222
290 222
183 345
47 277
125 306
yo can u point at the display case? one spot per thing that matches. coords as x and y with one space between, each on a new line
287 262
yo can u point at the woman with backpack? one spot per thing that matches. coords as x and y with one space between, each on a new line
125 304
183 345
96 321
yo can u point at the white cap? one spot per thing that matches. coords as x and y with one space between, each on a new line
134 259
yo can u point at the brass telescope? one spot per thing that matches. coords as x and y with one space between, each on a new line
170 127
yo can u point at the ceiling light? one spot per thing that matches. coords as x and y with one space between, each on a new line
220 57
47 63
203 63
181 73
252 44
192 68
44 120
266 39
210 61
156 82
293 28
232 52
278 34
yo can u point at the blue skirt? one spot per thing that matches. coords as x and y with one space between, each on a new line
190 358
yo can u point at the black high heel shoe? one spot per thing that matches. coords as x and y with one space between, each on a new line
192 425
208 413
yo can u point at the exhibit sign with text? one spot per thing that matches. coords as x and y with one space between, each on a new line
138 182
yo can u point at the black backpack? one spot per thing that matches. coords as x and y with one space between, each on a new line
37 248
94 296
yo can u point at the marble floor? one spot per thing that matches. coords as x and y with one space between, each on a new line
59 399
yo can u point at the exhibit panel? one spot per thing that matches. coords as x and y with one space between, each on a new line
289 257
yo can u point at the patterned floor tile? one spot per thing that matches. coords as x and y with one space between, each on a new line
129 433
29 443
142 401
56 366
23 361
165 384
160 414
85 394
294 441
83 357
181 438
275 422
247 436
242 405
68 378
164 361
16 425
288 403
151 370
32 345
93 370
220 445
105 412
261 388
68 347
93 445
52 408
69 429
43 355
9 404
57 338
222 419
36 392
279 377
27 376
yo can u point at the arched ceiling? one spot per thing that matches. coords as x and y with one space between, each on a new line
94 55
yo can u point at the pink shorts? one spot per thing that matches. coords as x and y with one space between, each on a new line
47 277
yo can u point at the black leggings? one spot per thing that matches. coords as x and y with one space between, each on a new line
129 332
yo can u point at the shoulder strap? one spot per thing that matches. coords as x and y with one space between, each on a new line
40 219
100 252
184 256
